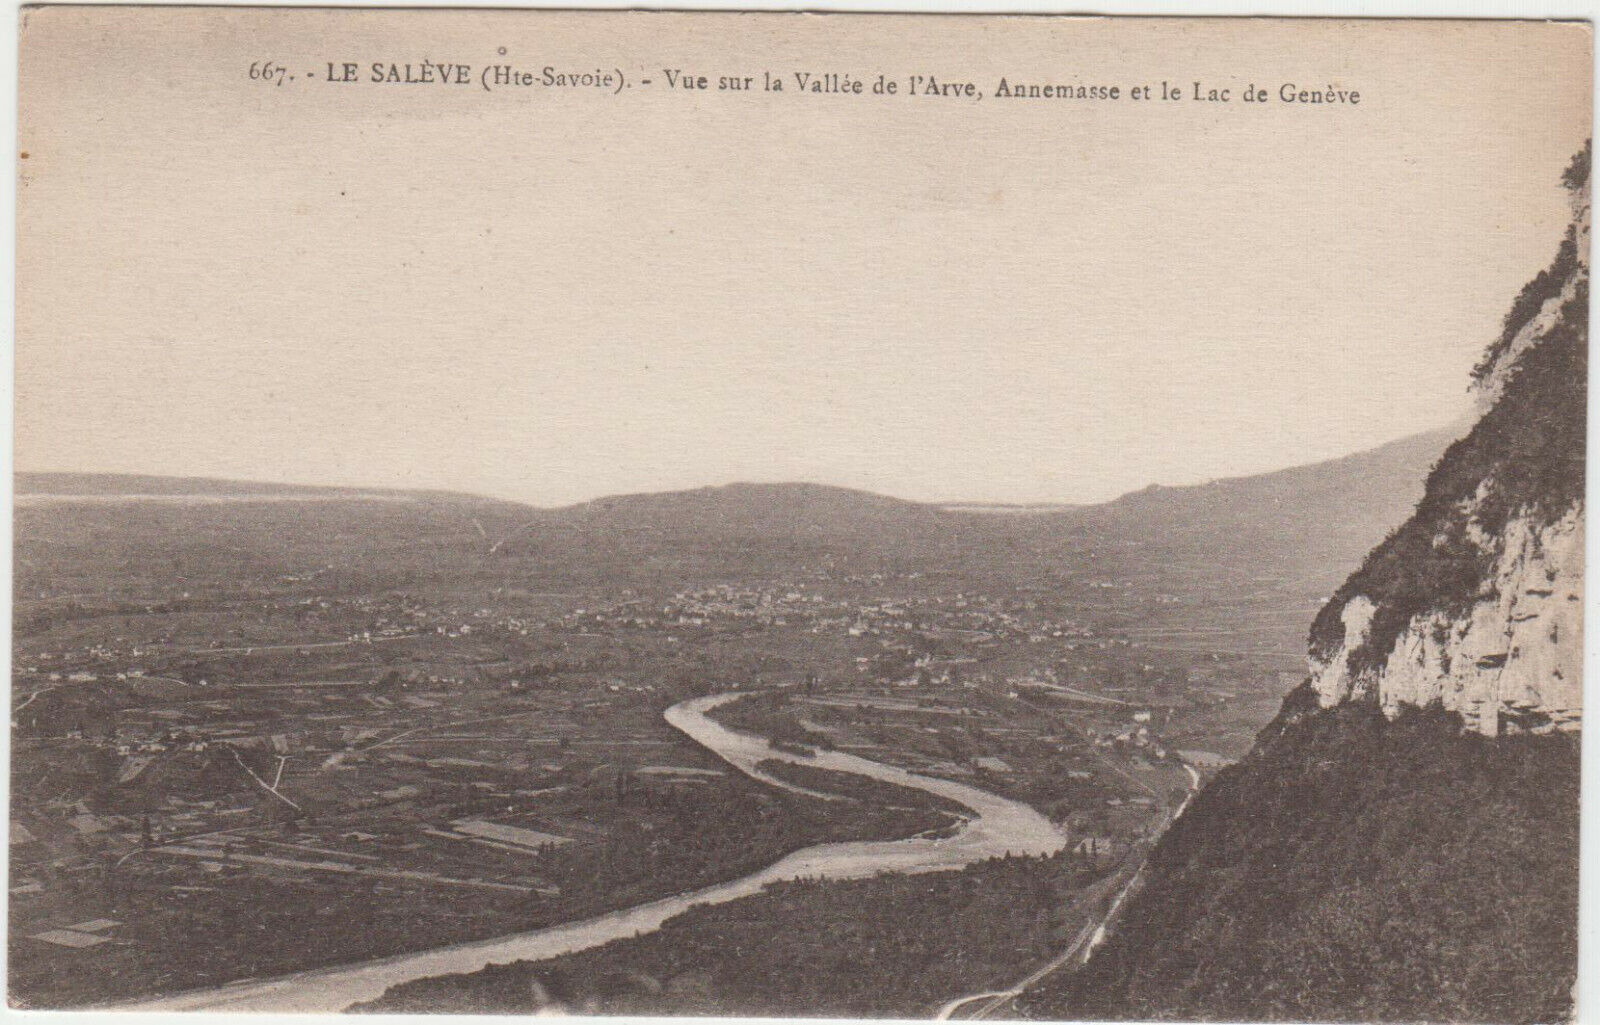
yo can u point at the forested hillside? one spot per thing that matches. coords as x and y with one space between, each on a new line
1402 844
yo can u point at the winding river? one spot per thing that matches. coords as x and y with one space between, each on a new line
997 826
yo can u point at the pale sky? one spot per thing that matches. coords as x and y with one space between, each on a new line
550 297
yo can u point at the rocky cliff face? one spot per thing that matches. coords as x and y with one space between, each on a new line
1370 859
1477 602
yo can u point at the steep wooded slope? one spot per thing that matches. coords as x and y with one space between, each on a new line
1402 843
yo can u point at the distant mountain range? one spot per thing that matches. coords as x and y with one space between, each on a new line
1370 478
1307 523
1373 485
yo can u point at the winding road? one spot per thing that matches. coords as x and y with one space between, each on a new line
1093 933
998 826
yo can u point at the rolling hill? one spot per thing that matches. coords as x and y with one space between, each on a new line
1297 527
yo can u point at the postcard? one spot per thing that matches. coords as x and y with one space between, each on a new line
798 515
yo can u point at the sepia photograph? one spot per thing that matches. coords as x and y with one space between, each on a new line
798 515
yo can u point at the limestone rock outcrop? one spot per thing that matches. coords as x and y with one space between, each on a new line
1476 602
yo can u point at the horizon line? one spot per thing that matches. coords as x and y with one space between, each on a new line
977 503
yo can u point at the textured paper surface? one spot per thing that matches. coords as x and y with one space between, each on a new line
550 293
1003 266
